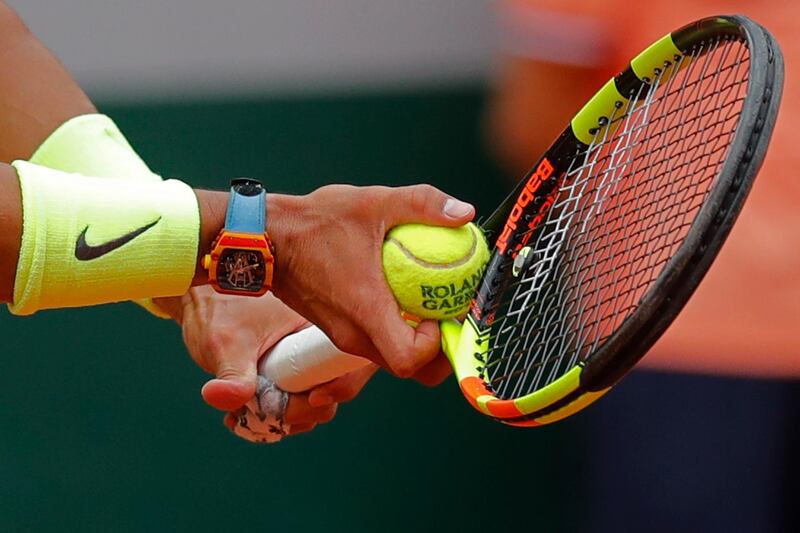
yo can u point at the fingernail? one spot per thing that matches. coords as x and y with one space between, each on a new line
456 208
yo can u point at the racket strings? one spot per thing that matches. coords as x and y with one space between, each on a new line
625 207
678 213
686 163
622 280
546 314
556 289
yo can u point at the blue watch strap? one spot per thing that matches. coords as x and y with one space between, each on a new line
247 207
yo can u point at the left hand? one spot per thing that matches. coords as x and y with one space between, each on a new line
226 336
328 267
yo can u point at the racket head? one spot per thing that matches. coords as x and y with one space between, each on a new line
606 238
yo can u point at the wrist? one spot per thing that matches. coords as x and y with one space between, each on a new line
283 214
92 145
212 205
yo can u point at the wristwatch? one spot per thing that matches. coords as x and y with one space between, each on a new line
242 256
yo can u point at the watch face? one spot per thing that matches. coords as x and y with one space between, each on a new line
247 187
241 270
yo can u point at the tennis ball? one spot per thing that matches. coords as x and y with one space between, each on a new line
434 271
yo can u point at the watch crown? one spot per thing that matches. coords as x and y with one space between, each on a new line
207 261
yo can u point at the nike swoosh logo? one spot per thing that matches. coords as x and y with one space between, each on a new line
87 252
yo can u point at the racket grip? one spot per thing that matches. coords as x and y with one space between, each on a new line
305 359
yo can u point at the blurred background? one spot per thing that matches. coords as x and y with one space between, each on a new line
104 427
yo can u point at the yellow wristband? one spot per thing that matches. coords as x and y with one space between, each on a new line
89 240
93 145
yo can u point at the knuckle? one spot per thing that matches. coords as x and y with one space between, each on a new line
352 392
424 379
346 394
328 415
424 197
334 191
374 200
404 367
418 198
375 192
226 370
400 353
431 380
301 428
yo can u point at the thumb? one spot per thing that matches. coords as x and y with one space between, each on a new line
234 385
425 204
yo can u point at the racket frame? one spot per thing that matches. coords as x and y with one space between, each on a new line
588 380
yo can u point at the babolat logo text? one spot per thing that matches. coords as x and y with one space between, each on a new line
529 193
450 297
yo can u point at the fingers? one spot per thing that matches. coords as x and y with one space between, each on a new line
343 389
405 349
350 338
301 428
299 411
225 335
434 372
348 298
427 205
229 420
300 416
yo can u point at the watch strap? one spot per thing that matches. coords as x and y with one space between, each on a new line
247 211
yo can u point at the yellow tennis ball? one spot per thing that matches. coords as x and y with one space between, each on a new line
434 271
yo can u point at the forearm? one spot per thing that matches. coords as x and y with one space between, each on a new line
36 99
36 93
10 230
212 207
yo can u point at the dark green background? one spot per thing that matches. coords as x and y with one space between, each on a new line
104 428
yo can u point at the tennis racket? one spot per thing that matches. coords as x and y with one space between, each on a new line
603 242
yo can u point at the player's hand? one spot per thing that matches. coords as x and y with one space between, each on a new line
226 335
328 268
